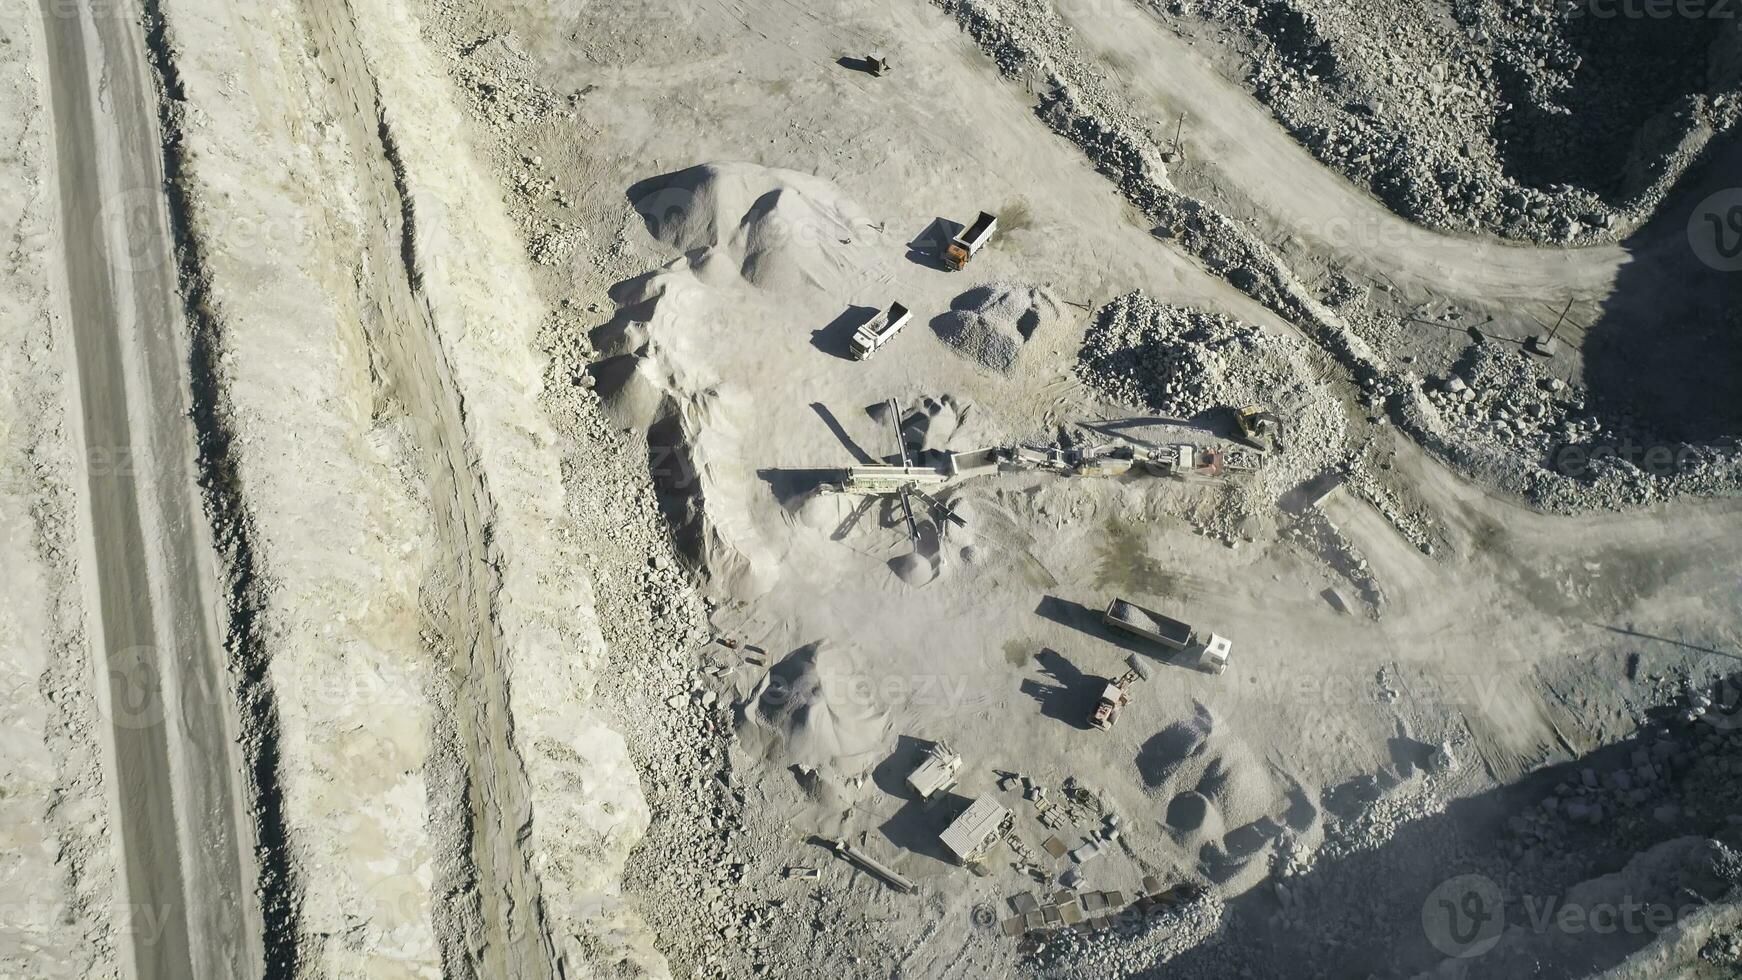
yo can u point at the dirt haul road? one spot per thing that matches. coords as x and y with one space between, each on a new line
189 897
1233 135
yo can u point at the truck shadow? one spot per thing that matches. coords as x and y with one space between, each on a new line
1081 618
924 249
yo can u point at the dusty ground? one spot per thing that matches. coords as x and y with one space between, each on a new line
512 385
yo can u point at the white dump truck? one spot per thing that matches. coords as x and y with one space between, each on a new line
874 334
1207 652
968 244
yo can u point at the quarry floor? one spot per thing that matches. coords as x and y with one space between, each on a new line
475 718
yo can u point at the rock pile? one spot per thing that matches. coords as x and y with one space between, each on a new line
1535 122
1197 366
1502 397
1501 417
1135 945
1682 776
1179 361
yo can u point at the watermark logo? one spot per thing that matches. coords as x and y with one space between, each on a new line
1715 230
140 244
1660 460
1464 917
1654 9
1467 916
1721 708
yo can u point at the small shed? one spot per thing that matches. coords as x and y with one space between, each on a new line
968 836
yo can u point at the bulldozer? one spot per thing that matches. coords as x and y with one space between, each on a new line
1259 427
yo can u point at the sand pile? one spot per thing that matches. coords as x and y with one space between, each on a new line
736 223
775 228
990 324
698 457
818 708
1219 800
653 382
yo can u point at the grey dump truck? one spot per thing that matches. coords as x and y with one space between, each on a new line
873 335
1209 652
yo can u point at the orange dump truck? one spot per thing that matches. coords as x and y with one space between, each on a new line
964 246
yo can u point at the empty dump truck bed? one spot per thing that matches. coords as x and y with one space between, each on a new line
1147 623
964 246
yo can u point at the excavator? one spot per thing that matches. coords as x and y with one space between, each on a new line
1259 427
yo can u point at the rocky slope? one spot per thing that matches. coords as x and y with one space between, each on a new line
410 600
1557 123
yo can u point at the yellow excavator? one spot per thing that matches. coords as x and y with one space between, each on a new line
1259 427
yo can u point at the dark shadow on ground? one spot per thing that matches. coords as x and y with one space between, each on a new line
834 424
790 485
1072 696
925 249
1664 639
1370 912
916 826
1662 359
1620 72
856 64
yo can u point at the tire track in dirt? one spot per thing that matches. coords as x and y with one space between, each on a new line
488 914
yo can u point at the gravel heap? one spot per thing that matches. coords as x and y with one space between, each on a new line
990 323
1535 121
1180 361
1502 397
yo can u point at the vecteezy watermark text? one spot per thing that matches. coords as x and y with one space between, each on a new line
1653 459
1655 9
1467 916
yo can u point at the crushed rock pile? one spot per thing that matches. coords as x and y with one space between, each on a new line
1686 767
1504 398
1193 365
1499 416
1135 946
1539 122
1180 361
990 324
